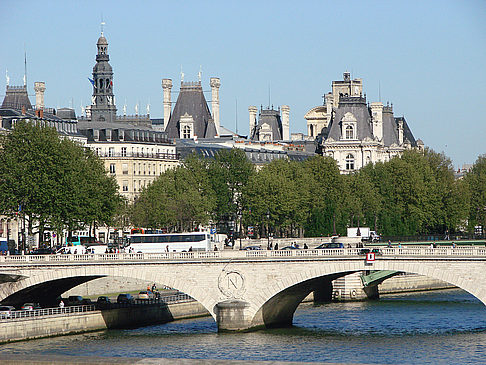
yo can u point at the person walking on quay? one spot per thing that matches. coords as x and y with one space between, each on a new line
389 244
215 248
276 246
61 304
305 246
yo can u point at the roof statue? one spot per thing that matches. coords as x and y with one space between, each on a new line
182 75
7 78
199 74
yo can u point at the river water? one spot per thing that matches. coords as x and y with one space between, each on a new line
441 327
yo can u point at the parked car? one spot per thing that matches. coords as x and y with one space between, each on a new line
252 248
6 311
125 298
103 300
330 245
30 306
365 251
75 300
145 295
43 251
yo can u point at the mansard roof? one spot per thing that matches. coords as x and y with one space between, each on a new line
16 97
270 117
358 108
191 100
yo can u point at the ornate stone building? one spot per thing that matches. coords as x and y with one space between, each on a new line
191 118
271 126
134 152
355 132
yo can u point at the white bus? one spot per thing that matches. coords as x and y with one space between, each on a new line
169 242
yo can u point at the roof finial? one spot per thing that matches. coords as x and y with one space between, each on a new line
102 24
148 108
7 78
199 75
182 75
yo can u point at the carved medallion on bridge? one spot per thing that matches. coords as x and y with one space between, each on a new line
231 284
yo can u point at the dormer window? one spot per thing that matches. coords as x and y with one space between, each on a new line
349 132
186 130
349 127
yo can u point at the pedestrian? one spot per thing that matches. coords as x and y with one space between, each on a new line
305 246
190 249
215 248
61 304
154 288
271 245
389 244
148 288
453 244
167 248
399 245
276 246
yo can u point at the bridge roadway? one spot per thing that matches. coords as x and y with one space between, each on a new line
240 289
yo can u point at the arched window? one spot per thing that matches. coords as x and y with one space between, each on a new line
350 162
349 132
101 83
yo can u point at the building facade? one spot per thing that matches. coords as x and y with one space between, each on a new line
355 132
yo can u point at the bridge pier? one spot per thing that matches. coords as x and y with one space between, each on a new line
232 315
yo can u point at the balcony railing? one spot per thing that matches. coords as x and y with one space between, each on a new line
160 156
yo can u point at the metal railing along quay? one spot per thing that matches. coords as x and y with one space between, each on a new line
77 309
393 252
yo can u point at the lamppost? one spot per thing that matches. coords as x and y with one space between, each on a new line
268 229
239 233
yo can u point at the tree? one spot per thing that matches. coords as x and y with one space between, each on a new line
51 182
179 199
229 173
475 181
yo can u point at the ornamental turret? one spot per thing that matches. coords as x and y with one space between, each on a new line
103 107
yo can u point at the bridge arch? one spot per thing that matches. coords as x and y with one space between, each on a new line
276 306
47 285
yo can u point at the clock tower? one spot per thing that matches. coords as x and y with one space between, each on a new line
103 107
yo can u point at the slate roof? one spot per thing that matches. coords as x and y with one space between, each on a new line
357 106
191 100
272 118
16 97
407 133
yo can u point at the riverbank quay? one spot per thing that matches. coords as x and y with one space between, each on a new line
89 319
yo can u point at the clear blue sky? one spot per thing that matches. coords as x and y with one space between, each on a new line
427 57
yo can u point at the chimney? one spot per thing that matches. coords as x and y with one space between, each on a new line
215 84
377 117
39 88
285 122
253 112
167 86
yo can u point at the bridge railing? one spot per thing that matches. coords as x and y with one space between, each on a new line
471 251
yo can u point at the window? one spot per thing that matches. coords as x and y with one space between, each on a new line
186 132
350 162
349 132
125 185
111 152
124 151
112 168
125 169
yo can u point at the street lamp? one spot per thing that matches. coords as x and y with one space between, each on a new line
239 233
268 229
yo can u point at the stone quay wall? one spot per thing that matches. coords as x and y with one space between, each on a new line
55 325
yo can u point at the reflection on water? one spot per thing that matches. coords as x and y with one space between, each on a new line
430 328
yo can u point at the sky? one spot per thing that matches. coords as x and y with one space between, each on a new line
428 58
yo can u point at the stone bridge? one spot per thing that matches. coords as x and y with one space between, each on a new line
240 289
